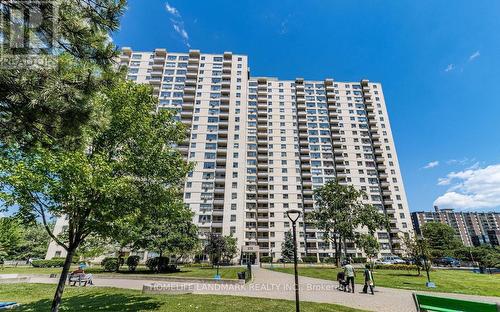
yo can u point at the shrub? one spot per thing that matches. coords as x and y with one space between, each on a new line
132 262
359 259
160 265
402 267
266 259
309 259
328 260
109 264
52 263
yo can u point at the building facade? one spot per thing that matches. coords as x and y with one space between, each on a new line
262 145
473 228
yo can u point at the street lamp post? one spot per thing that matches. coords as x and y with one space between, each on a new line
294 215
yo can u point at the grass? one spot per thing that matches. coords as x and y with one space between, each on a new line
452 281
38 297
203 272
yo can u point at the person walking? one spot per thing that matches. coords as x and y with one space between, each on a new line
368 279
350 274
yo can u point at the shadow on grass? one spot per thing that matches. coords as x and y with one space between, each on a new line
96 302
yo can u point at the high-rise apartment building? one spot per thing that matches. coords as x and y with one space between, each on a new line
262 145
473 228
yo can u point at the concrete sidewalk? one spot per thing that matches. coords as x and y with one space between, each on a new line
276 285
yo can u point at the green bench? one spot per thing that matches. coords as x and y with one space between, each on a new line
439 304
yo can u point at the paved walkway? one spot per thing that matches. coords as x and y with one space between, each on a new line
276 285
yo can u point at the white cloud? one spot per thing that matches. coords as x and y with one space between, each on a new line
474 188
432 164
178 23
474 55
450 67
172 10
464 161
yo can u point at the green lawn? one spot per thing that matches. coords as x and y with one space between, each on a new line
453 281
205 272
37 297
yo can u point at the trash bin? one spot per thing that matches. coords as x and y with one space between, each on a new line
241 275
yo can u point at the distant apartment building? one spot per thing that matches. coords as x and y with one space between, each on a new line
473 228
262 145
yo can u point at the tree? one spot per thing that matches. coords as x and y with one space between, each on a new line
128 163
484 255
442 238
49 104
11 237
369 245
340 212
21 241
168 230
287 248
215 248
417 249
231 248
35 240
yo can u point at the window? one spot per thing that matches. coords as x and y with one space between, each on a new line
209 165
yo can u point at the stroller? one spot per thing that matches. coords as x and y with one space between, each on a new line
342 281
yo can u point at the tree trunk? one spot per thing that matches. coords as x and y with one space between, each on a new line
344 246
62 279
335 246
119 259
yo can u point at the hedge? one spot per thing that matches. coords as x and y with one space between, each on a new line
109 264
266 259
161 265
132 262
359 260
310 259
52 263
403 267
328 260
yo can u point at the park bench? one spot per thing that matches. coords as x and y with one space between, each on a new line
80 279
426 303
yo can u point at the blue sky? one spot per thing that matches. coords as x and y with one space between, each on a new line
438 61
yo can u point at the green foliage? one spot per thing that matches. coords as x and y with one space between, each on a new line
230 250
359 259
309 259
133 262
167 229
485 255
368 244
161 265
110 264
266 259
442 239
287 247
399 267
215 247
328 260
49 104
21 241
52 263
10 237
341 212
128 165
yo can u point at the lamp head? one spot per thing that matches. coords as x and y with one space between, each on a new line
293 214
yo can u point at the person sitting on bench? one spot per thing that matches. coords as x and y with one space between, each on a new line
80 275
